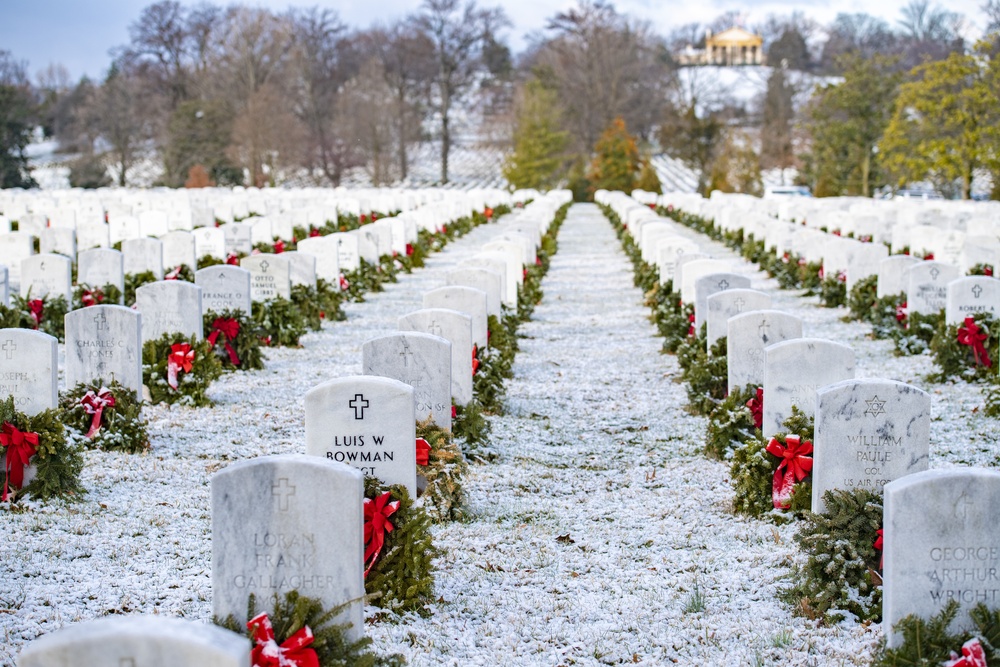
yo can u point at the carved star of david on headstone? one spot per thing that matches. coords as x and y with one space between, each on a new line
977 290
876 406
283 490
9 348
935 272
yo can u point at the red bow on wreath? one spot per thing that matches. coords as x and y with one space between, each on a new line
409 249
233 260
377 513
37 307
174 275
970 334
21 446
313 233
878 547
229 329
973 655
292 653
92 298
181 359
344 284
94 404
475 360
279 247
794 467
901 312
756 405
423 452
691 326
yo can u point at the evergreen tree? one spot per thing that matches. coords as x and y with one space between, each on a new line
538 160
616 162
648 180
16 110
776 150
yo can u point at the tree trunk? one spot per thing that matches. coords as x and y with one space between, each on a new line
445 145
866 166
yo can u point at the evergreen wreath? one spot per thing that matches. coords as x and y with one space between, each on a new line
47 314
981 270
753 467
731 424
57 462
675 325
134 281
961 360
279 321
840 577
192 384
832 292
401 579
85 295
469 424
122 426
863 299
330 297
12 317
991 394
206 261
182 272
294 611
443 497
246 344
503 335
705 372
916 336
928 643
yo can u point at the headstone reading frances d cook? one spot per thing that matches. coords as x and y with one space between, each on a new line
288 522
868 433
366 422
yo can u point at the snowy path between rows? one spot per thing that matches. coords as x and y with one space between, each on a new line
602 535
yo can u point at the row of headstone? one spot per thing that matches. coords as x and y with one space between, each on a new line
941 535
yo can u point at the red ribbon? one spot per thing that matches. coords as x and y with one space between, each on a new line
233 260
92 298
423 452
691 326
229 328
756 405
901 312
794 467
454 412
344 284
970 334
21 446
377 524
292 653
181 359
475 360
313 233
94 404
36 306
929 256
409 249
488 212
878 547
173 275
987 270
279 247
973 655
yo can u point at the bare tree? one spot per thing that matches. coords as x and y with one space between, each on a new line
458 34
121 112
159 47
266 136
366 109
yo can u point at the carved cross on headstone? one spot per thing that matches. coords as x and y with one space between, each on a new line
406 354
962 507
283 490
739 303
9 348
723 284
359 403
935 272
264 265
977 290
763 330
102 322
434 328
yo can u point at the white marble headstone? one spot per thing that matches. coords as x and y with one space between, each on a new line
29 370
892 276
58 241
422 361
224 287
169 307
729 303
179 248
141 255
927 286
47 275
455 327
301 268
747 336
324 249
710 284
368 423
868 433
971 295
104 343
269 277
237 238
288 522
485 280
466 300
99 267
209 242
941 542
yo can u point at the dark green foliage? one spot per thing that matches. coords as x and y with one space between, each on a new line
108 295
402 577
916 337
862 300
182 272
730 425
134 281
294 611
752 470
707 375
991 392
123 428
488 382
981 270
53 314
307 300
246 345
832 292
840 576
206 261
13 317
279 322
191 386
443 497
58 461
928 643
366 278
471 426
957 360
17 109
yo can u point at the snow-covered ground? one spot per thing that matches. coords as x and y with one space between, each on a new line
600 536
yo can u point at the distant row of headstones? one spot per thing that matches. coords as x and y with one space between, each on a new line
941 531
268 536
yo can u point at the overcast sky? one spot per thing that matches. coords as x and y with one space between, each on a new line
80 33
